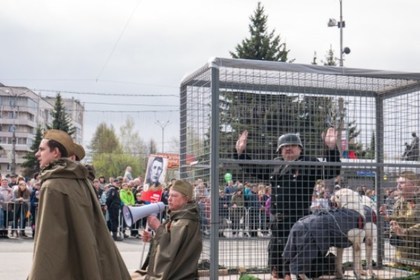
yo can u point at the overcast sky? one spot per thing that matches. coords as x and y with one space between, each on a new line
127 48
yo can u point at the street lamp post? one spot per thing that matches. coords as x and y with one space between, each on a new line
162 126
340 24
13 165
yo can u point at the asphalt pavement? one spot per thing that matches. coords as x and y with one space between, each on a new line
16 256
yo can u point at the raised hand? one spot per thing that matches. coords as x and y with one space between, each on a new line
330 138
241 142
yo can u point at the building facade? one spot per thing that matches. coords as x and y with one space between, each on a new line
21 112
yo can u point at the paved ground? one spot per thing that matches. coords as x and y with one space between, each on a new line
16 259
16 256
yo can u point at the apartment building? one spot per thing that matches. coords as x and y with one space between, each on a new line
21 112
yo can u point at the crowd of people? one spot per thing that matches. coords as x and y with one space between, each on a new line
76 216
279 197
19 202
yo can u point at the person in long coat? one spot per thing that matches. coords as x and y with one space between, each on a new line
72 240
177 245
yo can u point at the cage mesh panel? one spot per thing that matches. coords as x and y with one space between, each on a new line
269 101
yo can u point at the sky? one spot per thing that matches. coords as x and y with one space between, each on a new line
127 58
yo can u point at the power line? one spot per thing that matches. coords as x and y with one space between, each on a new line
131 104
105 94
118 40
89 80
126 111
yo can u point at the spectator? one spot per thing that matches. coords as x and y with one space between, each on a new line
267 210
201 196
126 195
102 202
97 188
13 181
21 200
230 188
414 148
5 207
224 204
176 248
102 182
292 187
237 210
404 220
34 199
113 205
127 198
128 174
72 240
253 211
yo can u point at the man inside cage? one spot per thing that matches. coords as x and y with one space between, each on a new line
404 218
292 187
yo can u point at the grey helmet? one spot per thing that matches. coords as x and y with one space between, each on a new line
289 139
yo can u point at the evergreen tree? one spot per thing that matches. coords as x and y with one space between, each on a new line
266 116
261 45
331 60
370 151
354 145
61 119
31 164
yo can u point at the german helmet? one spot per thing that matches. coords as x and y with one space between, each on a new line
288 139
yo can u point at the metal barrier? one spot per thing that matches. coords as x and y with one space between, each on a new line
18 218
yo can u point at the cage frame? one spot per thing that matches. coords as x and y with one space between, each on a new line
339 77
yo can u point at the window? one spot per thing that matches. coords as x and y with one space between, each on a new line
21 141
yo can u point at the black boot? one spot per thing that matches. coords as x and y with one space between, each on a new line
116 237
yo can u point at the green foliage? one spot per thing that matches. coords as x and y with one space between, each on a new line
133 145
114 164
60 119
105 141
110 158
31 164
130 140
267 116
261 45
248 277
370 151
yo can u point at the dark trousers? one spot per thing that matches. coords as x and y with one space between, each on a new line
279 234
113 218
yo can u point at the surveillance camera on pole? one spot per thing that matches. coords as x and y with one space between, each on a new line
340 24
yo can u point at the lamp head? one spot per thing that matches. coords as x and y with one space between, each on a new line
332 22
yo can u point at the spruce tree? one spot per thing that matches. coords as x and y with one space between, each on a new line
331 60
261 45
61 119
31 164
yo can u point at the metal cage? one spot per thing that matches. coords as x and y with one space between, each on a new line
374 112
